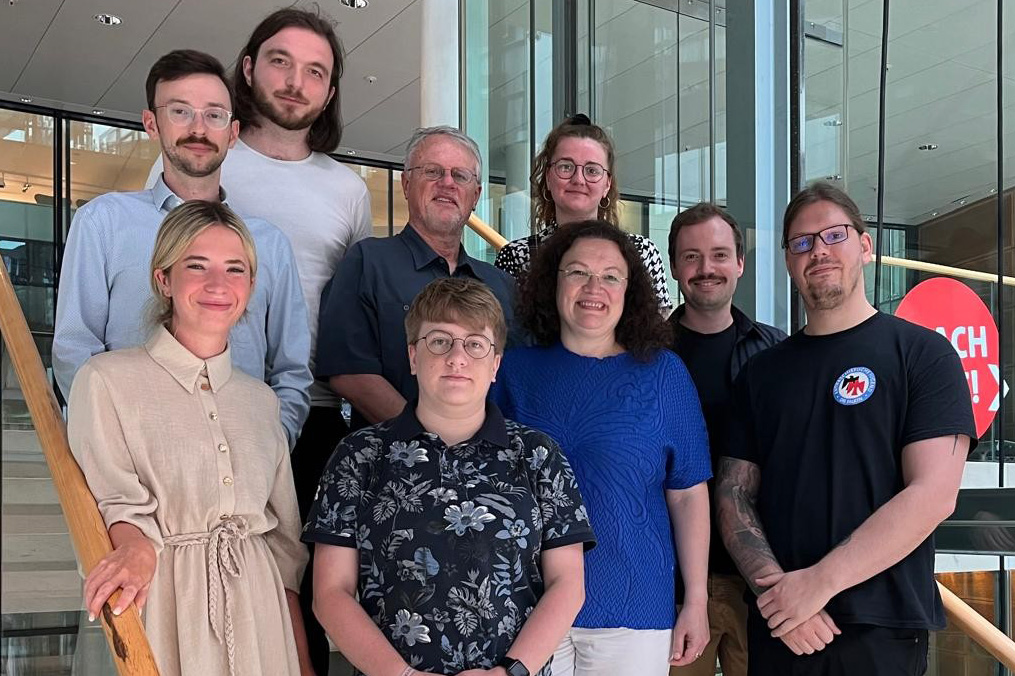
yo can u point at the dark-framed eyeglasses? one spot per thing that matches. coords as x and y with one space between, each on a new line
435 172
440 342
581 277
834 234
592 171
182 115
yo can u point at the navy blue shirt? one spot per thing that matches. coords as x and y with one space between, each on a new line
363 307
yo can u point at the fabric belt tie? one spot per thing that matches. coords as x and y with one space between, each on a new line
223 562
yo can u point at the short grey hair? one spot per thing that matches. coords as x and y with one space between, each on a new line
423 133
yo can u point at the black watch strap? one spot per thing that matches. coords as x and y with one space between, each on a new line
514 667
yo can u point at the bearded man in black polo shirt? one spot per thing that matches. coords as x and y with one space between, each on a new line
715 340
846 451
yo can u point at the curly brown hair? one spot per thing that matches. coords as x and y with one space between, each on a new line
642 331
579 126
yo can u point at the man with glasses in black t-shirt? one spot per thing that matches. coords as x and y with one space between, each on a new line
846 450
715 340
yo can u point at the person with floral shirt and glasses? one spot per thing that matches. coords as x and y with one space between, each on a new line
461 532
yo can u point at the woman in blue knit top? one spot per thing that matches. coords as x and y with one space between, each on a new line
625 411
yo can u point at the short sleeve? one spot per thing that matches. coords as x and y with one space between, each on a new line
98 443
939 403
685 434
348 333
560 504
513 258
334 518
741 440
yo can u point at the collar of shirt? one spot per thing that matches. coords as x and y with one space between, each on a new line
166 200
184 365
423 256
493 430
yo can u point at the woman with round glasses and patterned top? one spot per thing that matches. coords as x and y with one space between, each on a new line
624 409
189 464
573 179
449 540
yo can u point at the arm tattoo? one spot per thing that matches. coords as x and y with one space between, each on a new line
736 494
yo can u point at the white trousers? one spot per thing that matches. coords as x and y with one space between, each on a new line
613 652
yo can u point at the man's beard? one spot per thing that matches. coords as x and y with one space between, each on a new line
267 108
186 165
830 296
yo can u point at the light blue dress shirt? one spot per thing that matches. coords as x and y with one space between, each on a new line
104 297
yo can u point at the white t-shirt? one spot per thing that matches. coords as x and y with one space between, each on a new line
321 205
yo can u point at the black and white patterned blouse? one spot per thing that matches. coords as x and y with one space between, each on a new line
449 538
514 259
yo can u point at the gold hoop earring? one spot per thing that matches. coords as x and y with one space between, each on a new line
546 195
604 206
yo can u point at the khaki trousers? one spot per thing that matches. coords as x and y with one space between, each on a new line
727 626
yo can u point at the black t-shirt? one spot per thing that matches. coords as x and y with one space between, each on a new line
707 356
826 418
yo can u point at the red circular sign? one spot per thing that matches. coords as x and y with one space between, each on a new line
952 309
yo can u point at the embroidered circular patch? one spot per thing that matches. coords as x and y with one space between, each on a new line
855 386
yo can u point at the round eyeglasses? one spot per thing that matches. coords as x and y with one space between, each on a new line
834 234
581 277
440 342
182 115
592 171
435 172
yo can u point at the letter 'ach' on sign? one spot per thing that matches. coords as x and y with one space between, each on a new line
952 309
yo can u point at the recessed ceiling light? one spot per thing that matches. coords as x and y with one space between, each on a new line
370 79
992 190
933 213
350 152
26 99
96 111
833 123
108 19
355 4
834 177
927 146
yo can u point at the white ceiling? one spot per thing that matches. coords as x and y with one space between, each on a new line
941 83
55 53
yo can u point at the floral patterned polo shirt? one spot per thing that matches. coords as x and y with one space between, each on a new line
449 537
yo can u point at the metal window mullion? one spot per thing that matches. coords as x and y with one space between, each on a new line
711 100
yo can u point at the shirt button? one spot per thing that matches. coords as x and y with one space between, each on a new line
228 481
213 415
223 517
223 448
406 307
205 386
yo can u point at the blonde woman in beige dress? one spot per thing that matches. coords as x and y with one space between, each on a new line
189 464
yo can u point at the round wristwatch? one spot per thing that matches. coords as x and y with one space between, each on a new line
514 667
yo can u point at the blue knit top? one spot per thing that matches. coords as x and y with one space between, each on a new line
630 430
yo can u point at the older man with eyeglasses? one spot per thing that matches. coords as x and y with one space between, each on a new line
361 349
104 286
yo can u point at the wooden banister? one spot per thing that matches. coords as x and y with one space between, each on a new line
492 237
978 628
125 634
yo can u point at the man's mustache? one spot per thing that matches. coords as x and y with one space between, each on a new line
191 140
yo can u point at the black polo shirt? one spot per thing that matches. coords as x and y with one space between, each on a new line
363 307
450 538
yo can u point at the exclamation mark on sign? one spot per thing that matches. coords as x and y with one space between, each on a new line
974 385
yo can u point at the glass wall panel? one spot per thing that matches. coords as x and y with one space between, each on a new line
41 585
400 211
105 158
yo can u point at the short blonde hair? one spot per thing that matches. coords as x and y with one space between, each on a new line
458 300
178 231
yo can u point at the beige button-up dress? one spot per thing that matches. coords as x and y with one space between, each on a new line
193 453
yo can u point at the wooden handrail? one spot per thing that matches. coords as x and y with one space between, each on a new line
992 639
978 628
497 241
127 640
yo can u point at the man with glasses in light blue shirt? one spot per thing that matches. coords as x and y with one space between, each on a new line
104 289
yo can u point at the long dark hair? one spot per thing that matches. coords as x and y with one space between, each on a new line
326 131
642 331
